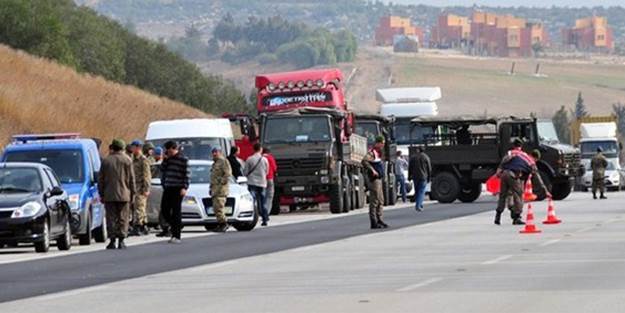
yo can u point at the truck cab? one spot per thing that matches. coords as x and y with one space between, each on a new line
76 161
611 150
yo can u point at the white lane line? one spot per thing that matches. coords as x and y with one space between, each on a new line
550 242
497 260
583 230
420 285
71 293
213 266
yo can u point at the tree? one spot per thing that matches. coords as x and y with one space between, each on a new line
561 121
580 107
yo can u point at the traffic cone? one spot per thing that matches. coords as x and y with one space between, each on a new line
528 194
530 228
551 214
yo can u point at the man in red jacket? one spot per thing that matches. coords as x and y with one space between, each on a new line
273 168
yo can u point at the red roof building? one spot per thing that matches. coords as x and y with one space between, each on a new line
391 26
590 34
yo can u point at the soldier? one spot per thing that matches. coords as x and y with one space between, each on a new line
598 165
116 184
219 189
143 180
158 154
512 171
375 169
148 151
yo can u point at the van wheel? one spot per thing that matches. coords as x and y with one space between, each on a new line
44 245
85 239
445 187
100 234
64 242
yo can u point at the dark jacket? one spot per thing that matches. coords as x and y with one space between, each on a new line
175 172
420 167
236 166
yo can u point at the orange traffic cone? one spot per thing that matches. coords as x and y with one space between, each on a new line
528 194
530 228
551 214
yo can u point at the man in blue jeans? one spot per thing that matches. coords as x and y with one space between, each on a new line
420 171
256 170
401 166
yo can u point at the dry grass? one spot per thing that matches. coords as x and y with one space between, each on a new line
39 96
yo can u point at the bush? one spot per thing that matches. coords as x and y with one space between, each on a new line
267 58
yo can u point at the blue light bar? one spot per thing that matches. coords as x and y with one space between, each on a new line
40 137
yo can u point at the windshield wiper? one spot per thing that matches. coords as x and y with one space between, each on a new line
14 189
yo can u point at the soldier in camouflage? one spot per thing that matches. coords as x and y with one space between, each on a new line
219 189
143 179
598 164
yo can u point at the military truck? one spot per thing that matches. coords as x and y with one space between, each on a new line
466 151
372 126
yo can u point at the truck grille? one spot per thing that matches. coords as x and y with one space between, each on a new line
573 160
300 164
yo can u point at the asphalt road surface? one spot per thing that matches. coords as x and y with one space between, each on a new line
429 262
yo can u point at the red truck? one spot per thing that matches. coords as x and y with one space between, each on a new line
304 119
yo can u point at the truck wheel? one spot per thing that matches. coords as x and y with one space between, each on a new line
100 234
446 187
470 193
85 239
336 197
560 191
347 194
275 206
359 189
540 194
392 181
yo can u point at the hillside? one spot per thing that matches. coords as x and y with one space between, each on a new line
38 96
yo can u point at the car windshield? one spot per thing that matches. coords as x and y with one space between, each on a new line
20 180
547 132
193 148
404 137
297 129
67 164
369 130
610 148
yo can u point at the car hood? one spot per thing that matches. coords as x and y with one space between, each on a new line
16 199
202 190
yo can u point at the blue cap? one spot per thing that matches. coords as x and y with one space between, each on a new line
136 143
158 150
216 149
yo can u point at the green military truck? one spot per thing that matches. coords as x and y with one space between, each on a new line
466 151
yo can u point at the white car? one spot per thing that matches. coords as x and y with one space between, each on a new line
197 205
613 177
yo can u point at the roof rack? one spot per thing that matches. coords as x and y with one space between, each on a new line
24 138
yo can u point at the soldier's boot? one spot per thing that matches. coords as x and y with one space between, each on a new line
594 195
145 230
603 196
111 245
121 245
134 231
498 218
222 228
518 221
374 224
164 233
381 224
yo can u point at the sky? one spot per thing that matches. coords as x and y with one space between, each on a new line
541 3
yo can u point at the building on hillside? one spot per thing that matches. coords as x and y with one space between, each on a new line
390 26
451 31
590 34
505 35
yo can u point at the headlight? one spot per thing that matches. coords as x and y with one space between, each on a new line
246 201
614 176
74 202
189 200
325 179
323 172
27 210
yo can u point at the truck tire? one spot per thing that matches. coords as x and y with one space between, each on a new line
561 190
392 181
336 198
347 196
85 239
275 206
446 187
470 193
540 194
361 193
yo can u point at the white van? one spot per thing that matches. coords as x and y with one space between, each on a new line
196 137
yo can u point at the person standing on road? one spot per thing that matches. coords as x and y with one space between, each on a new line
143 183
116 185
374 167
420 172
271 173
256 170
401 166
598 164
235 162
148 151
219 188
158 154
175 182
513 171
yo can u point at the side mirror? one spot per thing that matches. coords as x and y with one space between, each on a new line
56 191
242 180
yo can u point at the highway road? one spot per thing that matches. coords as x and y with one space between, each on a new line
450 258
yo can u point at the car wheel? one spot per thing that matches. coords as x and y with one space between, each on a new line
44 245
100 233
85 239
64 242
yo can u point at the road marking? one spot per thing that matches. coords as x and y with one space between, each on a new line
71 293
550 242
583 230
497 260
213 266
420 285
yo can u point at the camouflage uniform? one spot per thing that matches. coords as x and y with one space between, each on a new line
598 165
376 194
143 179
220 182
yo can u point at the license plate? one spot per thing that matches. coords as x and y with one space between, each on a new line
298 188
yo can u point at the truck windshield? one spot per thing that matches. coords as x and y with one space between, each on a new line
193 148
547 132
67 164
369 130
404 137
297 129
610 148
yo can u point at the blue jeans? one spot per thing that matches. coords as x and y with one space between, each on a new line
401 181
260 197
419 192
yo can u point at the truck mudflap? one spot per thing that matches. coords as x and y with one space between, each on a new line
316 199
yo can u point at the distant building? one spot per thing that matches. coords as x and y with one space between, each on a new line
451 31
390 26
590 34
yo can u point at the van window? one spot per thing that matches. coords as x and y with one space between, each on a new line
194 148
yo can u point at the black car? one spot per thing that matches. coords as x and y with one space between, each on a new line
33 207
